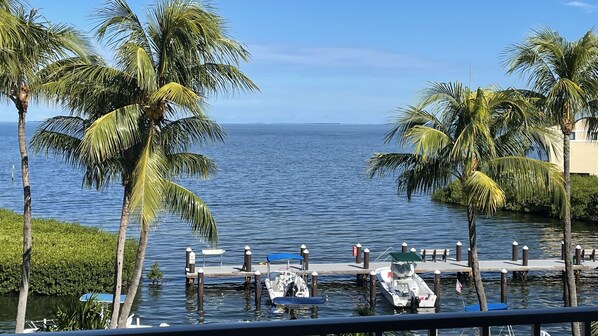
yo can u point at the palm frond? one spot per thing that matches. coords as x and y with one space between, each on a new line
111 134
191 209
179 135
483 192
190 164
148 183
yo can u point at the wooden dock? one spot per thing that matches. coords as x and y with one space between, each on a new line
449 266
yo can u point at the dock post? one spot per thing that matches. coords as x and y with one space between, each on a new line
404 247
191 267
562 250
578 261
366 258
515 251
301 248
258 290
314 283
469 257
247 267
458 252
437 289
372 289
187 253
306 259
503 286
525 255
357 253
244 268
200 282
413 250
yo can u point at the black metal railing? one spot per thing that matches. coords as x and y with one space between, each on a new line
433 324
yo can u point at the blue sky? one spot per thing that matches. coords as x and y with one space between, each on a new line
356 61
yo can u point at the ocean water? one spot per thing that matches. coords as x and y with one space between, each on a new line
280 186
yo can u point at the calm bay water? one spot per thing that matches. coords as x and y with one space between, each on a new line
280 186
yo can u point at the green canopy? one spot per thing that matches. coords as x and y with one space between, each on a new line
405 256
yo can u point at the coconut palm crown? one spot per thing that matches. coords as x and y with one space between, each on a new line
137 121
476 137
563 79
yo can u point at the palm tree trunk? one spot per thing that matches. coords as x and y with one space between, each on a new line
126 310
25 266
475 266
567 237
120 256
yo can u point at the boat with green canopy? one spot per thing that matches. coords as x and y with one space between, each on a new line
401 286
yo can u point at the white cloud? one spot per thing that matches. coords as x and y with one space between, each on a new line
583 5
343 58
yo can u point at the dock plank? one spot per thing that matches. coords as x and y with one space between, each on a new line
450 266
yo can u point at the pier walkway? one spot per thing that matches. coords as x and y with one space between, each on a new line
449 266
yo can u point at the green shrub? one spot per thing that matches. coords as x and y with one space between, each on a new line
66 259
584 199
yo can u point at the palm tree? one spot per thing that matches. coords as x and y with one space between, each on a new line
142 117
27 44
477 138
563 77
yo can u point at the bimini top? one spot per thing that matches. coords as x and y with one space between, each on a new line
491 306
283 256
101 297
405 256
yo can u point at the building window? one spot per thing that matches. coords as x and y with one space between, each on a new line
572 136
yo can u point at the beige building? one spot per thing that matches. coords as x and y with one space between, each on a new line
584 151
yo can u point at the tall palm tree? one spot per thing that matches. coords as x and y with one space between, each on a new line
476 137
27 44
563 77
148 112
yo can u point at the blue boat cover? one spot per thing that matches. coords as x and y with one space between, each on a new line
101 297
283 256
491 306
299 301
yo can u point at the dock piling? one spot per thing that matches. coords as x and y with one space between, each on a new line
404 247
366 258
469 262
247 267
357 253
562 250
525 255
503 286
515 251
258 290
200 283
458 251
244 268
301 249
437 288
191 267
306 259
372 289
314 283
187 253
577 255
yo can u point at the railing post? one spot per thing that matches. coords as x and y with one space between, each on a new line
458 251
358 253
536 329
404 247
515 251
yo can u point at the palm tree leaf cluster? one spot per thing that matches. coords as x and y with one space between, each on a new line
480 139
139 121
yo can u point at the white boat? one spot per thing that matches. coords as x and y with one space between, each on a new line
284 286
401 286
